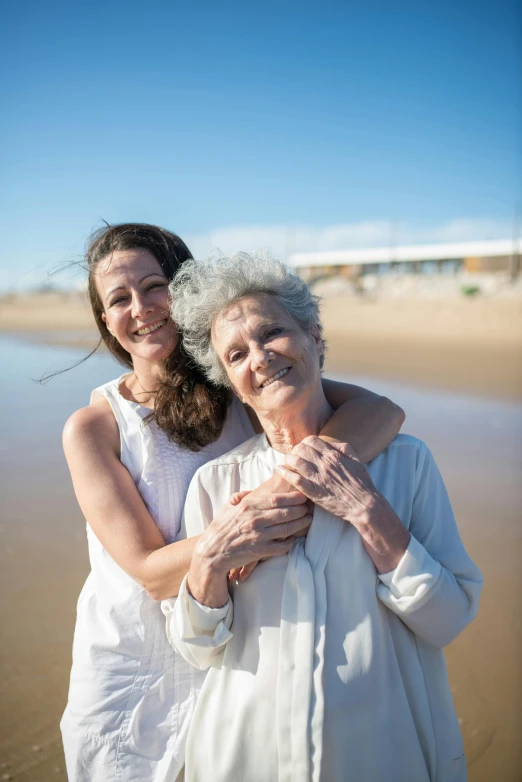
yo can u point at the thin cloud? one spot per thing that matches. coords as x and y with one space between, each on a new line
283 240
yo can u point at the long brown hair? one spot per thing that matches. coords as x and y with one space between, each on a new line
187 406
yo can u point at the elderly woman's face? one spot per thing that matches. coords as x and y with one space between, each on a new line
270 361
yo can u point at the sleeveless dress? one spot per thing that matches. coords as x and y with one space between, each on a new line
131 697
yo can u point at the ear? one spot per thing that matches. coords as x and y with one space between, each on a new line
104 318
316 336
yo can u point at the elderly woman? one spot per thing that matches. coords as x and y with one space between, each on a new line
327 664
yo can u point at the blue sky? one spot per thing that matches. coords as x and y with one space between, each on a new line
289 125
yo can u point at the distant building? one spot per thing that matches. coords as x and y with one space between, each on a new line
502 255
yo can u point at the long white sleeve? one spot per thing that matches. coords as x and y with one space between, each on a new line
435 588
198 633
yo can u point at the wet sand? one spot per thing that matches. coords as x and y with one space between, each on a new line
44 557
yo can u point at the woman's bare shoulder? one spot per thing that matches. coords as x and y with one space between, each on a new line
92 426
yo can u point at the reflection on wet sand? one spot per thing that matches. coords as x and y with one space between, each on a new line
44 559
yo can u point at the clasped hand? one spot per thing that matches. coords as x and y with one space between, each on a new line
254 525
331 476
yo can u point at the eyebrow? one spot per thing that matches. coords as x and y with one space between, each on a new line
122 287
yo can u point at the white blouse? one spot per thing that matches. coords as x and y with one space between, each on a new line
320 668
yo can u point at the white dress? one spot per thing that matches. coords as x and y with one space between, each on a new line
131 698
321 669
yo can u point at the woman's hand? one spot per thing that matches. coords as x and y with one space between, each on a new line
331 475
238 574
276 485
262 524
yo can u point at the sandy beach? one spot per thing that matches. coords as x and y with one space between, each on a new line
428 349
469 345
45 312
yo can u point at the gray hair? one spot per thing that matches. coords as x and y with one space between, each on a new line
202 289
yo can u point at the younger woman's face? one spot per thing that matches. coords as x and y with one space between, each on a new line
134 294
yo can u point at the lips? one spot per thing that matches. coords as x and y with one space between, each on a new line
151 328
270 380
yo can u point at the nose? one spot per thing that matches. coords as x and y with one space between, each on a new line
260 357
140 307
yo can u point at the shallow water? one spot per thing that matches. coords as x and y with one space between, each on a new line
477 444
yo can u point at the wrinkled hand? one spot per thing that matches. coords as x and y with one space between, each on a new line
241 573
254 525
260 525
274 485
331 475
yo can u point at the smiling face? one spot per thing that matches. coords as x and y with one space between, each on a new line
134 294
270 361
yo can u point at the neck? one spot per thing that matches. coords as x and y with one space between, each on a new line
145 381
286 428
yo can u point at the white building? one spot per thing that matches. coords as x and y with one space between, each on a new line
500 255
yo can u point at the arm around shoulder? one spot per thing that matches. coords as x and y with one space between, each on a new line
365 420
